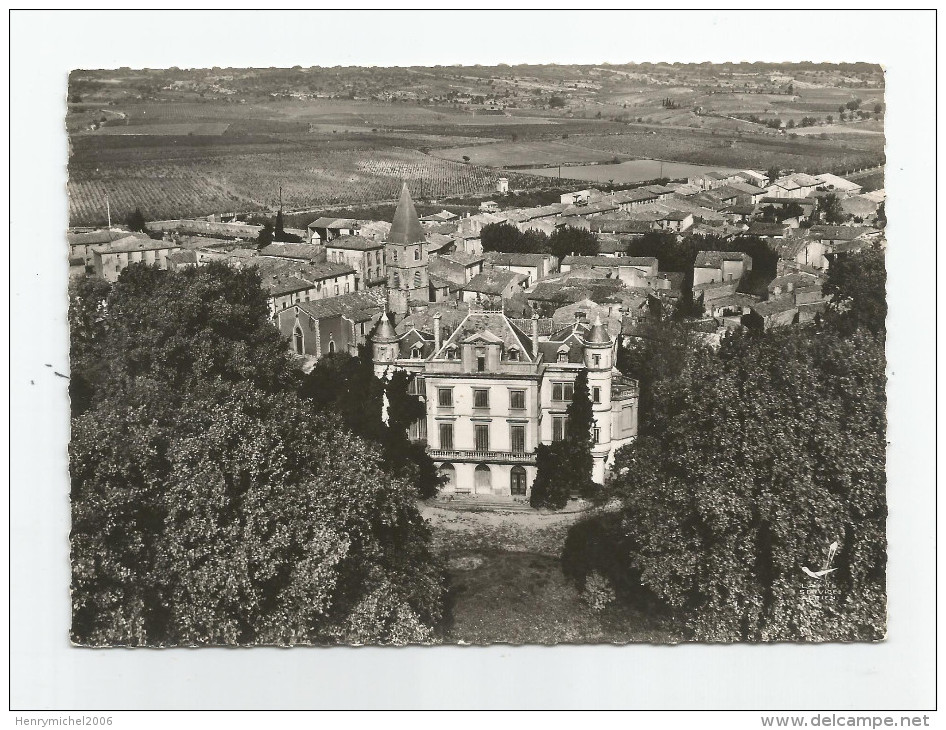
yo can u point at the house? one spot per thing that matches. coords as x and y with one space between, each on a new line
629 269
489 206
624 226
294 252
753 177
294 282
728 311
775 231
179 260
763 316
493 392
575 198
534 266
709 292
808 250
438 218
713 266
676 220
492 285
81 243
365 255
797 185
456 267
110 259
325 326
325 229
838 185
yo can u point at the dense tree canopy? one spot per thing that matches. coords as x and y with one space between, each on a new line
757 460
506 238
212 505
569 241
136 221
563 468
857 284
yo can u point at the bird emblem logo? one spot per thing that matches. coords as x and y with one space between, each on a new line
832 551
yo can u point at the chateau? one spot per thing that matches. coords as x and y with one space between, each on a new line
493 393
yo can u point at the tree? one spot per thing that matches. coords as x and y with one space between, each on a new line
564 468
346 384
136 221
829 119
882 215
556 102
265 236
766 454
569 241
878 108
773 174
210 505
830 210
857 286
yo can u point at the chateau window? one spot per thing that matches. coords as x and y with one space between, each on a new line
559 428
446 436
417 279
445 397
417 254
596 359
394 255
418 430
481 433
480 398
562 391
596 433
517 399
514 354
563 357
517 439
452 352
596 394
397 281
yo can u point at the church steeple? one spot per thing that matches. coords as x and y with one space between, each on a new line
406 227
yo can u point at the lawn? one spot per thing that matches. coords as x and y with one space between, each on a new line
507 586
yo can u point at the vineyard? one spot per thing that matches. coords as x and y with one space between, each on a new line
235 183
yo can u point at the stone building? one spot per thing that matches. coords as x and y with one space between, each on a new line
494 392
406 257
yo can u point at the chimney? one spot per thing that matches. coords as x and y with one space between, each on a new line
535 333
437 332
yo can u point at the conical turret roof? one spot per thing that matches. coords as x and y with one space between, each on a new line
405 228
599 333
384 331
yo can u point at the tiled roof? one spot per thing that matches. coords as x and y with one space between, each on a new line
132 243
183 257
515 259
299 251
610 261
492 281
492 325
358 306
354 243
714 259
619 225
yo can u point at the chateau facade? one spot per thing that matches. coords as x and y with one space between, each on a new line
494 392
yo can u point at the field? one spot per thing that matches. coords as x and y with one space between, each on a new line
522 154
507 586
175 153
630 171
250 181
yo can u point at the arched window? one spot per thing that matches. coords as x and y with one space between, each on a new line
483 479
416 352
517 482
448 471
452 352
299 340
397 281
514 354
417 254
417 280
331 346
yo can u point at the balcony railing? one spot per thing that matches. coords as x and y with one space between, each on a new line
497 456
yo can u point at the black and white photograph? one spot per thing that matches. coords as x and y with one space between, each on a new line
436 357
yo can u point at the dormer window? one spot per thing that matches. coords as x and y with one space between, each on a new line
452 352
416 352
563 357
514 354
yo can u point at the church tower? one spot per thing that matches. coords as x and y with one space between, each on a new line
598 360
406 256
